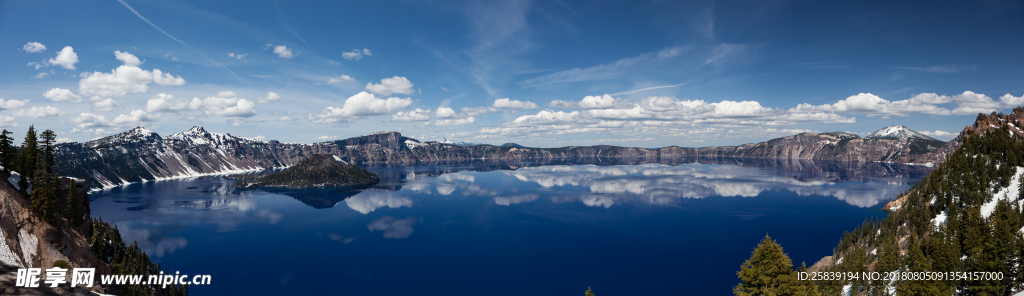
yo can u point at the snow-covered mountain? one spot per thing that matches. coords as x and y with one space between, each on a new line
897 132
140 155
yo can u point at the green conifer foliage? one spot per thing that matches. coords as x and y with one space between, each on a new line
28 158
8 154
769 272
72 208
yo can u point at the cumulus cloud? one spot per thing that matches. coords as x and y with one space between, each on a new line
414 115
40 112
135 117
270 97
286 119
7 121
11 104
325 138
125 79
127 58
356 54
470 112
444 112
968 103
89 120
455 121
66 58
34 47
282 51
506 103
588 102
62 95
225 103
239 56
396 229
940 134
546 117
393 85
166 103
361 104
107 104
339 79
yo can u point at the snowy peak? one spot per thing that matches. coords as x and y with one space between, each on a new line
137 134
897 132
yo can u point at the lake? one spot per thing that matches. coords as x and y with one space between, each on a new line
504 229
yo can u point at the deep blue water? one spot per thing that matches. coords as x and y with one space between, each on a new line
648 229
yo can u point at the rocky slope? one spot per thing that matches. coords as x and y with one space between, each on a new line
27 241
140 155
316 171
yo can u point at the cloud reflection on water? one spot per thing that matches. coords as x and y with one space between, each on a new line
660 184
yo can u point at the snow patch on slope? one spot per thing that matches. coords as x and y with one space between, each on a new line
6 255
1010 193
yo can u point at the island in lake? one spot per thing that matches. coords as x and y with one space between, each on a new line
316 171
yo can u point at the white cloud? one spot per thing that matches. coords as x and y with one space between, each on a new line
166 103
414 115
40 112
286 118
455 121
124 79
135 117
62 95
270 97
260 138
361 104
107 104
514 104
340 79
356 54
478 110
607 71
89 120
325 138
546 117
388 86
225 103
127 58
7 121
66 58
283 52
162 78
588 102
968 103
444 112
239 56
939 69
34 47
11 104
940 134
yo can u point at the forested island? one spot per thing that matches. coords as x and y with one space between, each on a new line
316 171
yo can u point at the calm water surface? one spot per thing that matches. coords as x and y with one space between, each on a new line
649 229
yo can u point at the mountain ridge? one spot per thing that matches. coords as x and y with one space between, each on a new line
141 155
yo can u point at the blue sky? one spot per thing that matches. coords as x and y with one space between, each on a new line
544 73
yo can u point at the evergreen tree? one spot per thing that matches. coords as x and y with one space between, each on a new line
8 154
1005 249
46 142
72 208
768 272
28 158
916 262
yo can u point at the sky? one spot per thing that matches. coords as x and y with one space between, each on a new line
538 73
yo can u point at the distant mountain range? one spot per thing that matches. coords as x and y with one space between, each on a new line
140 155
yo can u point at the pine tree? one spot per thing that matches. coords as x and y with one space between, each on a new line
72 208
8 155
1004 244
768 272
47 139
28 158
916 262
